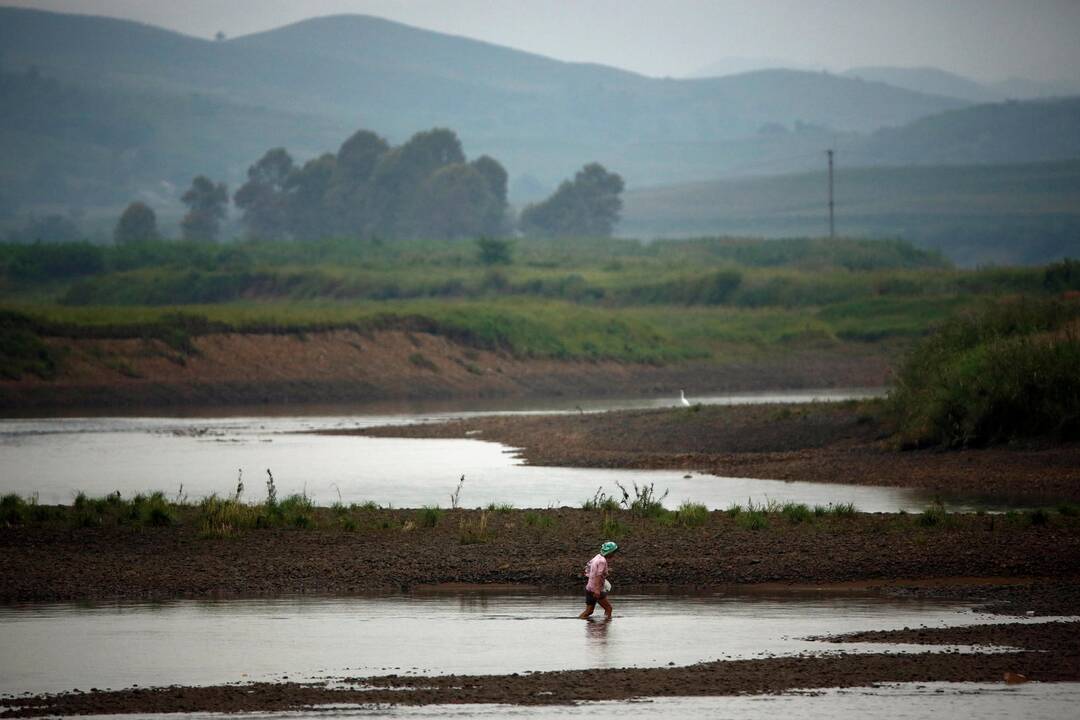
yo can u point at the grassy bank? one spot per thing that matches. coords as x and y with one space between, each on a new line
637 514
1009 371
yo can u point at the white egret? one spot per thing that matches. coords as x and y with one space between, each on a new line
683 400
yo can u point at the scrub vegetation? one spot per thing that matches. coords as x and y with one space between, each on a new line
1006 372
585 299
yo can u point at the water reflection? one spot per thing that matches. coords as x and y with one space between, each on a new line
59 647
596 630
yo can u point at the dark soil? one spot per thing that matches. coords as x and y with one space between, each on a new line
820 442
1051 652
392 550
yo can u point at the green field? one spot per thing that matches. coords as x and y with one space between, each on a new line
975 214
591 299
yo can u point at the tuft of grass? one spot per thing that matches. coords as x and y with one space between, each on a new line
843 510
423 362
500 507
220 517
535 519
428 516
752 520
13 510
600 501
645 503
295 510
691 514
933 516
1068 510
475 531
366 506
610 527
796 513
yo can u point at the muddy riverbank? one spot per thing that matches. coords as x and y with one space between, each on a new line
345 366
353 551
1045 652
824 442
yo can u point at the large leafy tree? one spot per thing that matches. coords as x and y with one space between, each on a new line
400 173
263 197
348 195
206 204
456 201
587 206
306 192
138 222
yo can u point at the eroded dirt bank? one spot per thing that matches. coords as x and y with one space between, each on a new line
1050 652
382 550
351 366
823 442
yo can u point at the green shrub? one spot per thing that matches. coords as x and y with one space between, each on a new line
1004 373
13 510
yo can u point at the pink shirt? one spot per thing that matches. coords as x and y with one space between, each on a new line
596 571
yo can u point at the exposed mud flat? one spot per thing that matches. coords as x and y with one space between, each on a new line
391 549
349 366
1050 652
834 442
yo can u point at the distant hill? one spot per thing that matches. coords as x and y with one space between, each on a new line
1001 214
734 65
929 80
539 116
1007 132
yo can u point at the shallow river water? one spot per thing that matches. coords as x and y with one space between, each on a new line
930 701
58 457
61 647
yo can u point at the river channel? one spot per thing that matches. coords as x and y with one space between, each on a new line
193 456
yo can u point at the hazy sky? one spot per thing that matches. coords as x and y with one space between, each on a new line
984 39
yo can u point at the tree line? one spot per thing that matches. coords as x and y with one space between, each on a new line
424 188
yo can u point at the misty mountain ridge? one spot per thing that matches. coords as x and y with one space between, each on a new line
117 110
936 81
539 116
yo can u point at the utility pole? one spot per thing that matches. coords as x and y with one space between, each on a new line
832 223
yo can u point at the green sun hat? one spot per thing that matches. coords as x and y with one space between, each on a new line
608 548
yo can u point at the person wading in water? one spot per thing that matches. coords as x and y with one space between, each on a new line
597 586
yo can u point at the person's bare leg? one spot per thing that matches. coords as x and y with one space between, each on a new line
607 607
588 611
